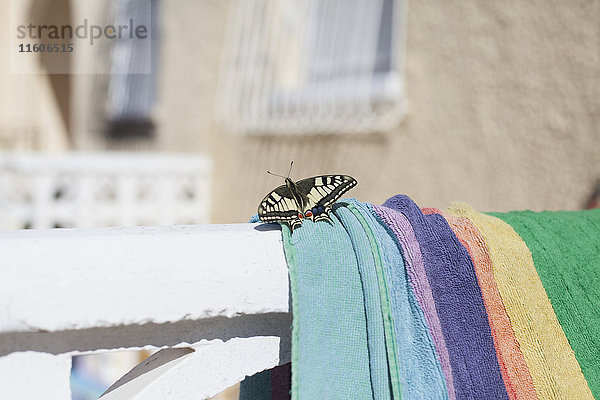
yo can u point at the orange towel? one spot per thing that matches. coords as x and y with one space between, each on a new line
555 372
513 367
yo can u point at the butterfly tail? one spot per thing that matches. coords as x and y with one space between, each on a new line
324 216
294 225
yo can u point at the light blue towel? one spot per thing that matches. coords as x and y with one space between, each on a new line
380 329
358 331
333 343
421 374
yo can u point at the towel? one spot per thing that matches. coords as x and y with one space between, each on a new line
377 303
338 338
402 230
256 387
553 367
458 299
420 372
281 378
355 314
565 247
393 302
513 367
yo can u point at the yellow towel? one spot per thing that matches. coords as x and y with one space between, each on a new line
554 370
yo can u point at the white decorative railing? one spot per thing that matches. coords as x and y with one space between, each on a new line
102 189
213 297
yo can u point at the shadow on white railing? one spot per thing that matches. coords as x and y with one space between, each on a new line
215 298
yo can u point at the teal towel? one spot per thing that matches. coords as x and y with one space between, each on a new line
271 384
338 338
358 331
256 387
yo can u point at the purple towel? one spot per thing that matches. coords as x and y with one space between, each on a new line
413 260
458 300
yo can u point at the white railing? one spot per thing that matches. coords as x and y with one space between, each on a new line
84 190
213 297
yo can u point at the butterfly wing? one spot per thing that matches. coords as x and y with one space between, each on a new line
322 192
279 206
315 195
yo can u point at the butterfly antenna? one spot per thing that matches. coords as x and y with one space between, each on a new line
281 176
270 173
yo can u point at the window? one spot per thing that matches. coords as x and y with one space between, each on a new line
314 66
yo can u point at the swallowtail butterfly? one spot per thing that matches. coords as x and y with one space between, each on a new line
309 198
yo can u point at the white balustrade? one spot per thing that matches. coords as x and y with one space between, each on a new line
103 189
214 298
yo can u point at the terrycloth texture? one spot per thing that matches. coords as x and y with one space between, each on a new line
338 339
403 231
515 373
355 316
566 253
552 364
377 304
420 371
459 303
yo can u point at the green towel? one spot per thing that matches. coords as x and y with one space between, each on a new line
565 247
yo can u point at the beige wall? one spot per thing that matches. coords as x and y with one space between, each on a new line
504 112
32 115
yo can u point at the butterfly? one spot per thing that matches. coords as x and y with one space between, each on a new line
309 198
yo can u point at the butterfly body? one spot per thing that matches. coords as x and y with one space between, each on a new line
309 198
